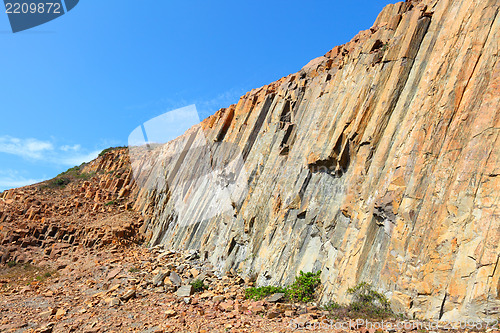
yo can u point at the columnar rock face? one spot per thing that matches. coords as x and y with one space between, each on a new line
377 162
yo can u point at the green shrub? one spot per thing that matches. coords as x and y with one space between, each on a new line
364 295
11 264
258 293
134 270
304 287
366 303
60 182
198 285
112 202
302 290
74 169
332 306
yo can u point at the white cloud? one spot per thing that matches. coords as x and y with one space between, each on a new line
46 151
79 159
12 179
70 148
27 148
39 153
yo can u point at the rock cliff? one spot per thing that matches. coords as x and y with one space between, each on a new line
376 162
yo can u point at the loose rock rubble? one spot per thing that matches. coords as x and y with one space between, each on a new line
120 288
132 288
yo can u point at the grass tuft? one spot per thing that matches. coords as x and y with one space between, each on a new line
198 285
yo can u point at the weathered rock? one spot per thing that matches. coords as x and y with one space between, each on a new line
272 314
170 313
194 272
128 294
275 297
387 150
185 291
175 279
48 313
60 313
46 329
113 301
158 279
113 273
218 298
226 306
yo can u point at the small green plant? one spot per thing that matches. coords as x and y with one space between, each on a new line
332 306
11 264
45 275
60 182
71 170
258 293
112 202
198 285
134 270
366 303
363 295
304 287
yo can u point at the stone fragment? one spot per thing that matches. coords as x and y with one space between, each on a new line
46 329
170 313
185 291
226 306
60 313
175 279
218 298
158 279
128 294
272 314
48 313
112 301
275 297
194 272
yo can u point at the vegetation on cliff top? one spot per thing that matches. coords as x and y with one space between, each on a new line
110 149
72 174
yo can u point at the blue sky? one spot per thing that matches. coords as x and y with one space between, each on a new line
85 81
